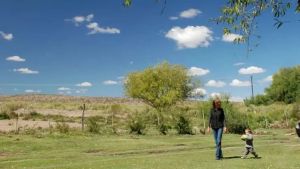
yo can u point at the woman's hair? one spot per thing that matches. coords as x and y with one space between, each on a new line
215 101
249 130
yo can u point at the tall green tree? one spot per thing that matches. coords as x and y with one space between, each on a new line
286 85
160 86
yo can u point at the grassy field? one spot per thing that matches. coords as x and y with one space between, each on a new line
277 151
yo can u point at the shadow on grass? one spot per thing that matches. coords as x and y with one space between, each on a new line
234 157
231 157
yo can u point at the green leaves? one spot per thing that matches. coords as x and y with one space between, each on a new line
160 86
278 23
127 3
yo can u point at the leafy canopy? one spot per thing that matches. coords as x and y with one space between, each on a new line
160 86
286 85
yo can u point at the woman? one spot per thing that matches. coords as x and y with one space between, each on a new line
217 123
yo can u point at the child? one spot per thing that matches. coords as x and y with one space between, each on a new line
249 144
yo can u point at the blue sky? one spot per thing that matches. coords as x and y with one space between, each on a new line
85 47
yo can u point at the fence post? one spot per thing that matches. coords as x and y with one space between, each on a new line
82 117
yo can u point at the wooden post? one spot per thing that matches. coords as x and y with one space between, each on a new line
17 121
82 117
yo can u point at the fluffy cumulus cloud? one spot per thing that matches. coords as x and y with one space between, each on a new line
95 28
15 59
190 13
239 83
26 71
7 36
214 83
187 14
32 91
199 92
110 82
251 70
84 84
231 37
197 71
77 20
190 36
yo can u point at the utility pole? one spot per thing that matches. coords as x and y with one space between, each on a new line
251 78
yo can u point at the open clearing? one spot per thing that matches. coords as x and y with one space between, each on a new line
277 151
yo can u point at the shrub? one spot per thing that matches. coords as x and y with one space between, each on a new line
94 124
183 125
136 124
4 116
164 128
62 127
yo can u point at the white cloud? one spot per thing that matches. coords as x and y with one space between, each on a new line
215 95
231 37
6 36
251 70
89 18
238 83
173 18
268 79
84 84
15 59
239 64
196 71
32 91
95 28
81 19
190 36
190 13
26 71
214 83
131 62
199 92
64 89
120 77
81 91
110 82
236 99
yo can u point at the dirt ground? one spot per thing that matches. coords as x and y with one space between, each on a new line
10 125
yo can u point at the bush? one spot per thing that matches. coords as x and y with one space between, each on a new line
94 124
164 128
4 116
62 127
136 124
183 125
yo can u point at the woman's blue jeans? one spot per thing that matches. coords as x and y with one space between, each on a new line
218 140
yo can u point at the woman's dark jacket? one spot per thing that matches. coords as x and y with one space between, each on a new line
217 118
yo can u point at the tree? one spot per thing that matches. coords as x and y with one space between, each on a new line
160 86
286 85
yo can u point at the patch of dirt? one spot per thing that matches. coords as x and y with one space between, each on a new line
10 125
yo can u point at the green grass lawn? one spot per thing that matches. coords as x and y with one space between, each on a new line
145 152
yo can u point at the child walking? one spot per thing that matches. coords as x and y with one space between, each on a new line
249 148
